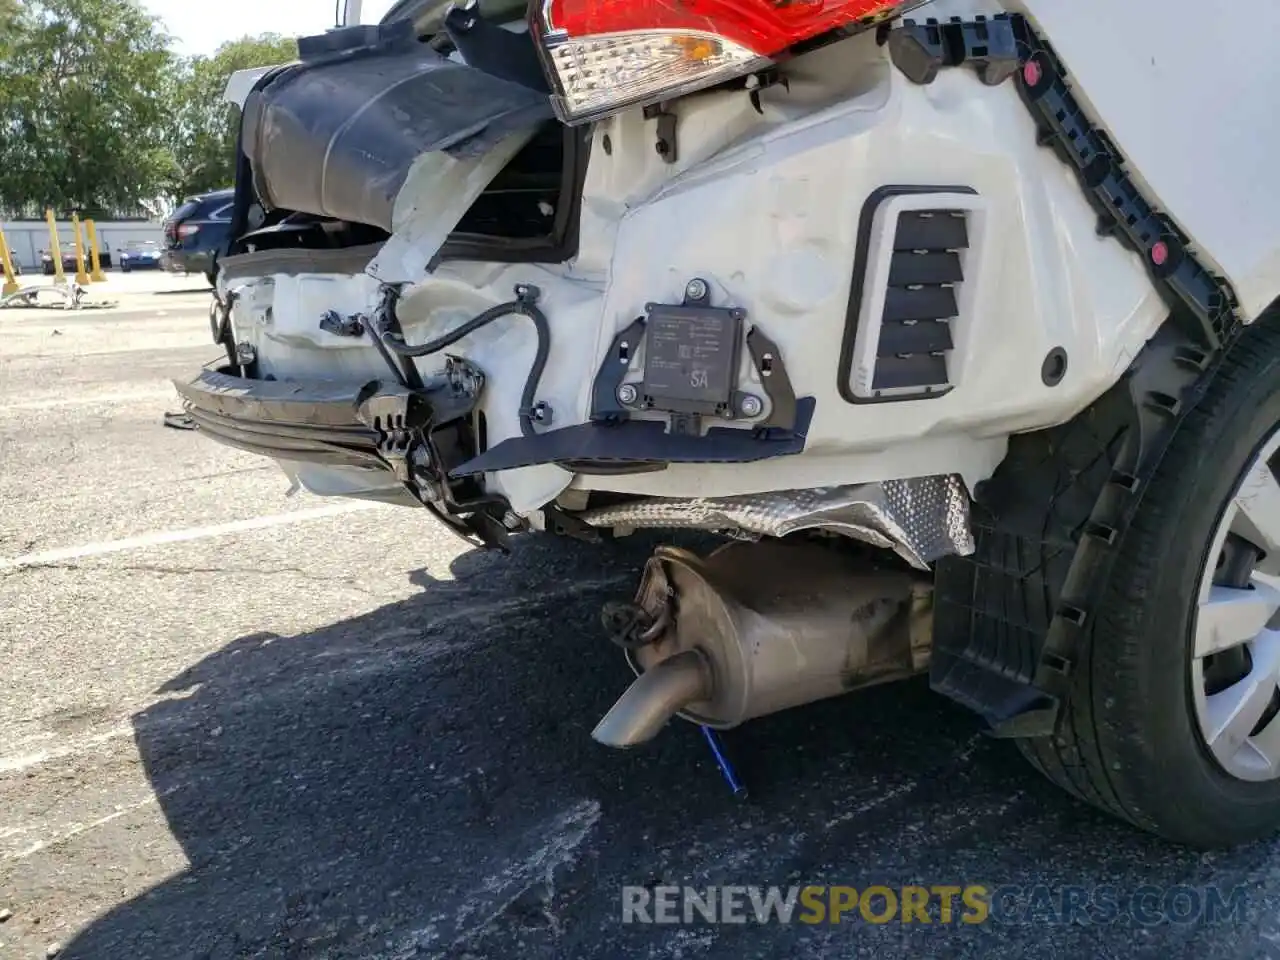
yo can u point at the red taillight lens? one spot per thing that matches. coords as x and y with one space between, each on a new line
187 230
764 27
609 54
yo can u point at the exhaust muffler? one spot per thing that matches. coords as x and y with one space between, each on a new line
759 627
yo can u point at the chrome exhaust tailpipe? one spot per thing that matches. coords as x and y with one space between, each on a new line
655 697
760 627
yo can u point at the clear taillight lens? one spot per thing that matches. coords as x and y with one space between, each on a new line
605 55
600 74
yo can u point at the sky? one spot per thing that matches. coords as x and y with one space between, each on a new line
199 28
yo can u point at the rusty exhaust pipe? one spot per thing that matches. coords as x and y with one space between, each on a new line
760 627
654 698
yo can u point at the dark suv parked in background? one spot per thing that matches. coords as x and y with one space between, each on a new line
196 232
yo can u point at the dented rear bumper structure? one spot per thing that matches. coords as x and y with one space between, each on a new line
531 269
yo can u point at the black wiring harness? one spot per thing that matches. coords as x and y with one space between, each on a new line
389 340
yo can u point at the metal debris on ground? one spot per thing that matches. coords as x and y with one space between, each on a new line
179 421
70 293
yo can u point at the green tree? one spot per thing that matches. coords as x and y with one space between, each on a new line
204 129
83 91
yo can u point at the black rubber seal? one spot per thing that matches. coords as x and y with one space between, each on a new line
1054 367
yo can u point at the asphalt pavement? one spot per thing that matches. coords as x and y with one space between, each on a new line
236 723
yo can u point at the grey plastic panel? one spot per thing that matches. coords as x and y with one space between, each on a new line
335 136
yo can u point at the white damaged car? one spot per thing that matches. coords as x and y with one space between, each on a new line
959 320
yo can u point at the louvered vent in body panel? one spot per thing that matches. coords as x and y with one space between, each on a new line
907 323
920 303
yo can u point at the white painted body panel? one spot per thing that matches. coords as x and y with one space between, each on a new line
766 208
1189 95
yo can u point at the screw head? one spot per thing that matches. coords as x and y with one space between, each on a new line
628 394
695 289
751 406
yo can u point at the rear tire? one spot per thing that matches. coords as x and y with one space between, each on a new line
1134 738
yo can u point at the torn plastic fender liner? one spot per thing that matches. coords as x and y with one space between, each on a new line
335 136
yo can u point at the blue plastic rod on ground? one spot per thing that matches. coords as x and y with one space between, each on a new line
726 768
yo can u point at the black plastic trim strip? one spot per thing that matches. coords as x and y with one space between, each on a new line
282 446
920 50
1009 619
1122 209
290 420
914 336
908 269
927 303
917 372
931 230
292 261
643 443
863 250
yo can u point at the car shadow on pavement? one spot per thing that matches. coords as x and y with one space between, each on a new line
420 781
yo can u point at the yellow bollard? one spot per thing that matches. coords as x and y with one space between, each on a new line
82 275
6 262
55 248
95 257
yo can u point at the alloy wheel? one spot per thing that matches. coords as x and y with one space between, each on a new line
1235 667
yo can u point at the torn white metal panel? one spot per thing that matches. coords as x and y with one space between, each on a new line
438 191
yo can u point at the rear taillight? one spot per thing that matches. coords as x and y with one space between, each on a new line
187 230
605 55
